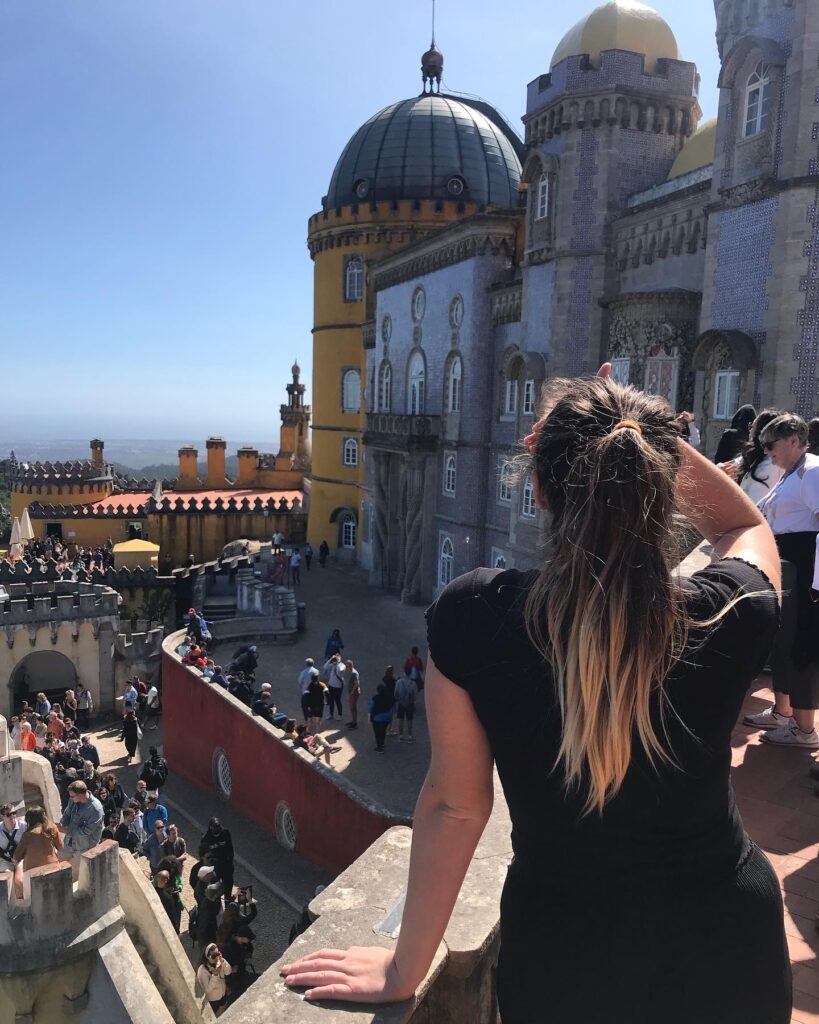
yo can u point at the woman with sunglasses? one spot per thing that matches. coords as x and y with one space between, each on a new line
211 976
792 512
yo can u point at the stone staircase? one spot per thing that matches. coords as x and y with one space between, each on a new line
156 975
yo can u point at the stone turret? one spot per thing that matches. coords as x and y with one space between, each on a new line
188 471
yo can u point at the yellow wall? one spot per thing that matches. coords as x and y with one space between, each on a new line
371 231
51 494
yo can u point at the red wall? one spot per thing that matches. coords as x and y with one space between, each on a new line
333 828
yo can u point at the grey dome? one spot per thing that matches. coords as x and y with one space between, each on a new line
430 147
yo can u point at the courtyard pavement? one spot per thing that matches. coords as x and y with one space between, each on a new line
776 799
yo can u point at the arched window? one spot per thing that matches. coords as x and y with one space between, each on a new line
351 391
455 379
527 501
543 190
529 397
351 452
348 531
417 379
385 389
354 279
446 562
505 483
758 100
450 472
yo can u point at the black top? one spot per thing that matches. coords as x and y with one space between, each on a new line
665 819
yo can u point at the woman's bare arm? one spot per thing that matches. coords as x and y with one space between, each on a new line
451 813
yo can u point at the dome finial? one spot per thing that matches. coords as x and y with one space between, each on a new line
432 63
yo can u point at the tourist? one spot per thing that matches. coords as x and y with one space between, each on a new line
70 704
106 801
239 687
792 512
85 707
211 976
41 844
152 706
380 709
278 538
42 706
172 866
352 684
154 812
152 848
81 823
334 645
245 660
406 692
140 794
316 691
813 436
324 554
239 953
40 730
154 772
208 894
118 794
334 677
735 438
611 730
130 697
220 843
313 744
414 668
129 832
263 705
306 676
295 567
169 897
28 741
218 677
687 428
11 832
56 726
389 681
88 751
753 469
130 734
110 826
289 731
91 777
308 555
175 845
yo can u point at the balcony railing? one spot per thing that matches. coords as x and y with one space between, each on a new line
393 432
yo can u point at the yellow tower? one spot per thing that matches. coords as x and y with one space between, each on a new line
413 168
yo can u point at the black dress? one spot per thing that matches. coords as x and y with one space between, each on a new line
661 910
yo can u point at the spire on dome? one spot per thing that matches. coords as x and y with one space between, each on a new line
432 63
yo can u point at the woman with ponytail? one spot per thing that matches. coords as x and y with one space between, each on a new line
604 689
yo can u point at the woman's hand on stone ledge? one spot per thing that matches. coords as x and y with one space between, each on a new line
365 974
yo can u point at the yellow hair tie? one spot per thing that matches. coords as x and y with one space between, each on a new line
628 425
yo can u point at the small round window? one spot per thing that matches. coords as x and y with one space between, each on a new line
222 775
456 185
386 328
419 304
286 831
456 311
362 188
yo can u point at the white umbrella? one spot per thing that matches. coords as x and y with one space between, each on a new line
26 529
15 546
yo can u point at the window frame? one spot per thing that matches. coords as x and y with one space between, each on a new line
446 561
731 376
505 483
450 469
384 397
528 508
455 385
416 384
759 83
621 369
510 397
346 374
349 528
353 279
544 196
350 445
529 399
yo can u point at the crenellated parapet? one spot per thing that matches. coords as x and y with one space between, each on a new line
41 604
72 472
48 571
56 921
140 646
183 504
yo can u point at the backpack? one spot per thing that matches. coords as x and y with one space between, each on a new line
193 923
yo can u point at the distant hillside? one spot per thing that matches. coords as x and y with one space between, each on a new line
140 458
170 470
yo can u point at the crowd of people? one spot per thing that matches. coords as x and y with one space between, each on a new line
70 558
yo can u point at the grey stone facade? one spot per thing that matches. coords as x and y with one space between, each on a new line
704 287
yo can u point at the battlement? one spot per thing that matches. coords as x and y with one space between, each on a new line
78 471
140 646
111 509
55 920
62 601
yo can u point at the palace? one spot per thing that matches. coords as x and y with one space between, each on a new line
458 266
84 503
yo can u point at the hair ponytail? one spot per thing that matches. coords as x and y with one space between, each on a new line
605 610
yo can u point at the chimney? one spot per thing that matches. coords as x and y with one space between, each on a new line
217 476
188 479
96 453
248 458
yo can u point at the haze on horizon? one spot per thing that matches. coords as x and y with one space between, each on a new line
161 160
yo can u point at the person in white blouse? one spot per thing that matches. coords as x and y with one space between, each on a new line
753 469
792 511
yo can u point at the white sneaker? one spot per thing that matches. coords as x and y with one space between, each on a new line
769 719
791 735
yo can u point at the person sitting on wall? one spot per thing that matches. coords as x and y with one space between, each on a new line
245 660
240 689
183 648
219 677
312 742
263 705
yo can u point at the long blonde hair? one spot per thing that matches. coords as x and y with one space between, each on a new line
605 609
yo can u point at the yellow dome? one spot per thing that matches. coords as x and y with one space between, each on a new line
699 150
620 25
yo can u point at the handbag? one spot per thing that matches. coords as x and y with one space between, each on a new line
139 732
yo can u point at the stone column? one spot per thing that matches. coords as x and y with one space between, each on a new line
413 543
382 525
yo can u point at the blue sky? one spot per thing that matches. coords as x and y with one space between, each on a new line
160 160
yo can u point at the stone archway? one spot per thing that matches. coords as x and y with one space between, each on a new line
719 352
49 671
